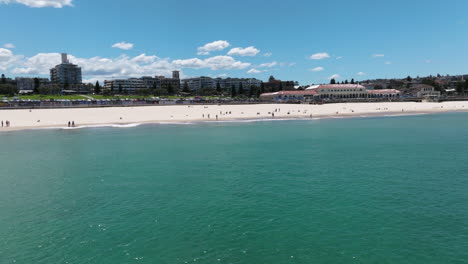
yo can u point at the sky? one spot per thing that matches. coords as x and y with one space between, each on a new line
309 41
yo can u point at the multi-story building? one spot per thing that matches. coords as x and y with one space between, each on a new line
131 85
66 73
195 84
28 84
274 85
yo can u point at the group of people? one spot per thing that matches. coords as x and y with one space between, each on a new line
71 123
6 123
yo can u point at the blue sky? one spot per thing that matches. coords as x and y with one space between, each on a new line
359 39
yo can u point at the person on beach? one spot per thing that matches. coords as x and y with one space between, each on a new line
73 123
69 124
2 123
216 117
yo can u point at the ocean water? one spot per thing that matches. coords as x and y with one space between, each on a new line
360 190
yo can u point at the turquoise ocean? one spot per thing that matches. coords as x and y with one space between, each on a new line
353 190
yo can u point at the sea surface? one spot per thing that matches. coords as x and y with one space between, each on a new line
357 190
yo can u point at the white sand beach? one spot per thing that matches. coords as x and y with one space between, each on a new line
59 118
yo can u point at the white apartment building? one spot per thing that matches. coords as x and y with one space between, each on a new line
127 85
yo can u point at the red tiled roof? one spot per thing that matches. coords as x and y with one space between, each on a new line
339 86
300 92
383 91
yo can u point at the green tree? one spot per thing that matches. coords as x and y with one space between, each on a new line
218 88
3 79
120 88
241 89
97 88
262 88
252 91
352 81
409 79
161 92
465 88
112 88
280 86
8 89
460 87
332 81
170 89
186 88
37 85
233 91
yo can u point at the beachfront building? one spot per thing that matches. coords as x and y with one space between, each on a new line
65 73
333 92
226 84
134 85
197 83
274 85
25 84
383 93
423 90
131 85
340 90
161 82
300 95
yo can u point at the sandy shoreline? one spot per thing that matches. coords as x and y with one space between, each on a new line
131 116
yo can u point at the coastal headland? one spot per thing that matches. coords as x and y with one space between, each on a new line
59 118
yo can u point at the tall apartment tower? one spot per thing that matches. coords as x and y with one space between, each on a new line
175 75
65 58
66 72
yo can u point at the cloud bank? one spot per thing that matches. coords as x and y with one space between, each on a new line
40 3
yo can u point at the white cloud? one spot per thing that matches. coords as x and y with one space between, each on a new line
317 69
378 55
123 66
339 58
268 64
253 70
40 3
388 62
214 63
288 64
361 73
123 45
335 76
213 46
249 51
267 54
9 46
320 56
8 59
95 68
